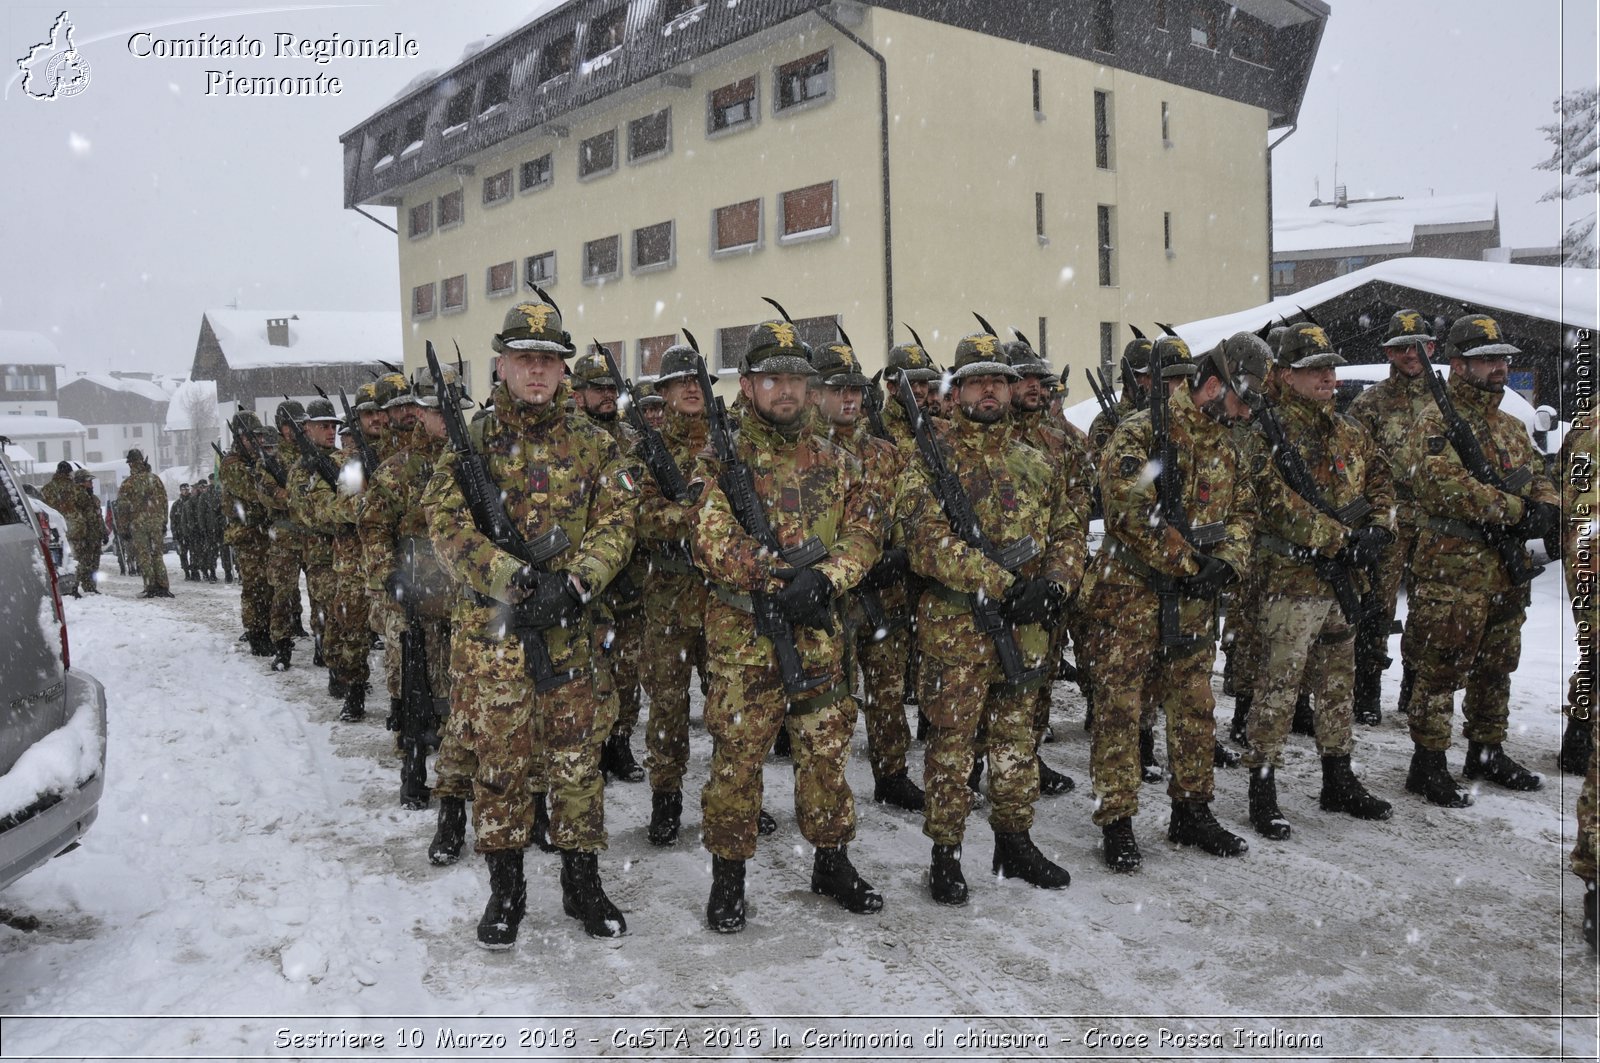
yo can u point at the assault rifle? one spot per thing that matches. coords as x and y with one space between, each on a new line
652 448
320 463
872 405
218 452
1513 554
254 453
1102 396
417 718
986 614
1169 503
738 484
352 421
489 516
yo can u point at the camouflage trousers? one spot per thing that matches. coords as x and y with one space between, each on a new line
86 552
1241 636
624 659
496 717
672 648
1394 572
455 765
255 593
744 709
346 641
149 547
1131 671
1456 638
958 698
1306 642
1588 844
320 589
883 702
283 574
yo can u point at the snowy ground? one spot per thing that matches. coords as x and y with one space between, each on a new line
251 861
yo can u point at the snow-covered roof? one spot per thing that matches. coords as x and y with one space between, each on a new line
316 337
30 426
19 457
27 348
1549 293
1374 226
147 389
190 391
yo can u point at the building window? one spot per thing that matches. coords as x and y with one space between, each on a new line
540 269
651 348
1108 348
803 81
1105 39
673 9
1038 217
419 220
1166 124
66 450
1038 96
1106 241
94 433
384 149
536 174
416 129
451 209
650 137
496 90
808 213
654 247
453 293
597 156
502 278
732 343
1282 275
458 110
736 227
43 455
1203 27
602 259
1161 14
732 107
497 187
1043 349
555 60
1348 265
604 33
618 350
1102 131
95 455
422 300
1166 231
138 431
1249 41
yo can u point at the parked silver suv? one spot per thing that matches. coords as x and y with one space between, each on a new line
52 716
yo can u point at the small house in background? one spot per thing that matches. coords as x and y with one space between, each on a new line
119 411
35 444
28 364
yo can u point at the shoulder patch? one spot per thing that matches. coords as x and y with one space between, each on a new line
1130 465
1436 444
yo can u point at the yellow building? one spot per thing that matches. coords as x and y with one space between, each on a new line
1064 168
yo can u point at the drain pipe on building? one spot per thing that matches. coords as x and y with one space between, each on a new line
1270 148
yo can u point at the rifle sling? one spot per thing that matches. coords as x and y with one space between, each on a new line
1454 528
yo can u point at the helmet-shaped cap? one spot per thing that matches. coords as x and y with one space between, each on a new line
837 364
288 410
1171 353
367 398
135 455
320 410
776 347
1025 360
980 354
679 360
591 371
1477 336
913 361
1137 352
1407 327
1305 345
391 389
534 325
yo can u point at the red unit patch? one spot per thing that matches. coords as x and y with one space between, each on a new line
1202 490
789 500
538 478
1008 497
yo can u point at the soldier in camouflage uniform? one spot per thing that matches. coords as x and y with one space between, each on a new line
808 487
1141 551
594 391
86 531
1464 624
1137 355
316 533
1014 492
146 499
652 405
876 641
207 513
178 519
674 600
553 469
383 437
284 536
1389 410
247 534
1581 503
1306 637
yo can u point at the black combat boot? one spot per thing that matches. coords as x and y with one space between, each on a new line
945 881
1368 697
666 810
337 688
1222 756
1149 766
1237 730
781 748
832 875
898 790
508 899
393 722
1589 913
260 643
285 649
299 630
616 759
1490 762
1430 777
1118 847
1015 856
584 900
975 776
316 653
162 592
1304 722
355 703
765 824
451 834
1264 814
725 909
1343 792
1576 744
1052 783
1193 824
923 723
541 824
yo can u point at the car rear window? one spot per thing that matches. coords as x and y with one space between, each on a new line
11 506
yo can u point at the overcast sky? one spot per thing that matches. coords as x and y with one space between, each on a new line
130 208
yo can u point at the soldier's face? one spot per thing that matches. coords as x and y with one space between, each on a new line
1028 394
1313 385
1486 373
321 432
655 415
780 398
984 399
1407 358
432 421
373 421
532 376
404 416
683 396
927 395
840 406
599 401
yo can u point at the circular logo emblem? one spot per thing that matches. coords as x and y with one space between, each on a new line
67 73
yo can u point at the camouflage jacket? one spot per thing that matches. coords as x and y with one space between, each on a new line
57 494
275 501
1216 487
626 593
178 519
1443 489
553 467
1580 510
1345 464
808 487
1063 449
883 464
245 515
85 522
1102 426
1389 410
309 508
146 498
1014 492
898 426
663 523
391 508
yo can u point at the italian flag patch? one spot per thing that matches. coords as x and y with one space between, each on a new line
629 484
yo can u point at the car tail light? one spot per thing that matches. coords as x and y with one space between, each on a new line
55 587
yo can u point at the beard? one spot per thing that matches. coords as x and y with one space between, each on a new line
980 416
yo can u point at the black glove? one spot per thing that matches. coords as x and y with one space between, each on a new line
1539 519
396 586
1365 546
808 599
1209 581
890 569
1029 601
550 600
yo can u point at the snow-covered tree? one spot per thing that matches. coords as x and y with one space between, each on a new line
1575 159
